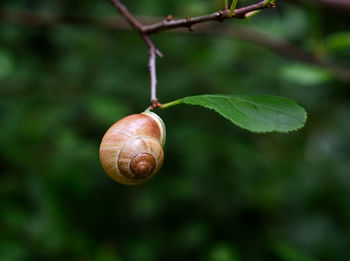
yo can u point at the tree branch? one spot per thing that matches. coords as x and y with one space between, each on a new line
153 51
221 15
146 30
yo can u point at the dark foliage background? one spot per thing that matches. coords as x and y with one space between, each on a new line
223 193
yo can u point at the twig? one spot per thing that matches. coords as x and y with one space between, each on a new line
167 24
217 16
153 51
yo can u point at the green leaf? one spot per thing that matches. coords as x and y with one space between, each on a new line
255 113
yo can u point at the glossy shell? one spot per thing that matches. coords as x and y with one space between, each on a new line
131 150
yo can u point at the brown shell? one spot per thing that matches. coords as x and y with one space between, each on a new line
131 150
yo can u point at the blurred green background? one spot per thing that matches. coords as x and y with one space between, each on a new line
223 194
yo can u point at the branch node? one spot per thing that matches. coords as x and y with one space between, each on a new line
188 23
155 104
220 15
169 17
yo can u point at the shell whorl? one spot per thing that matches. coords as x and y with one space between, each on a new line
131 150
142 164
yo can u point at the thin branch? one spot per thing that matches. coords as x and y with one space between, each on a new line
188 22
153 51
167 24
217 16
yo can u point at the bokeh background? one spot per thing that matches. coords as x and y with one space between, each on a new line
223 194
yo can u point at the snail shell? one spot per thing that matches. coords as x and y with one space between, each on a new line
131 151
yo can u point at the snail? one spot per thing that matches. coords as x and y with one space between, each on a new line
131 151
